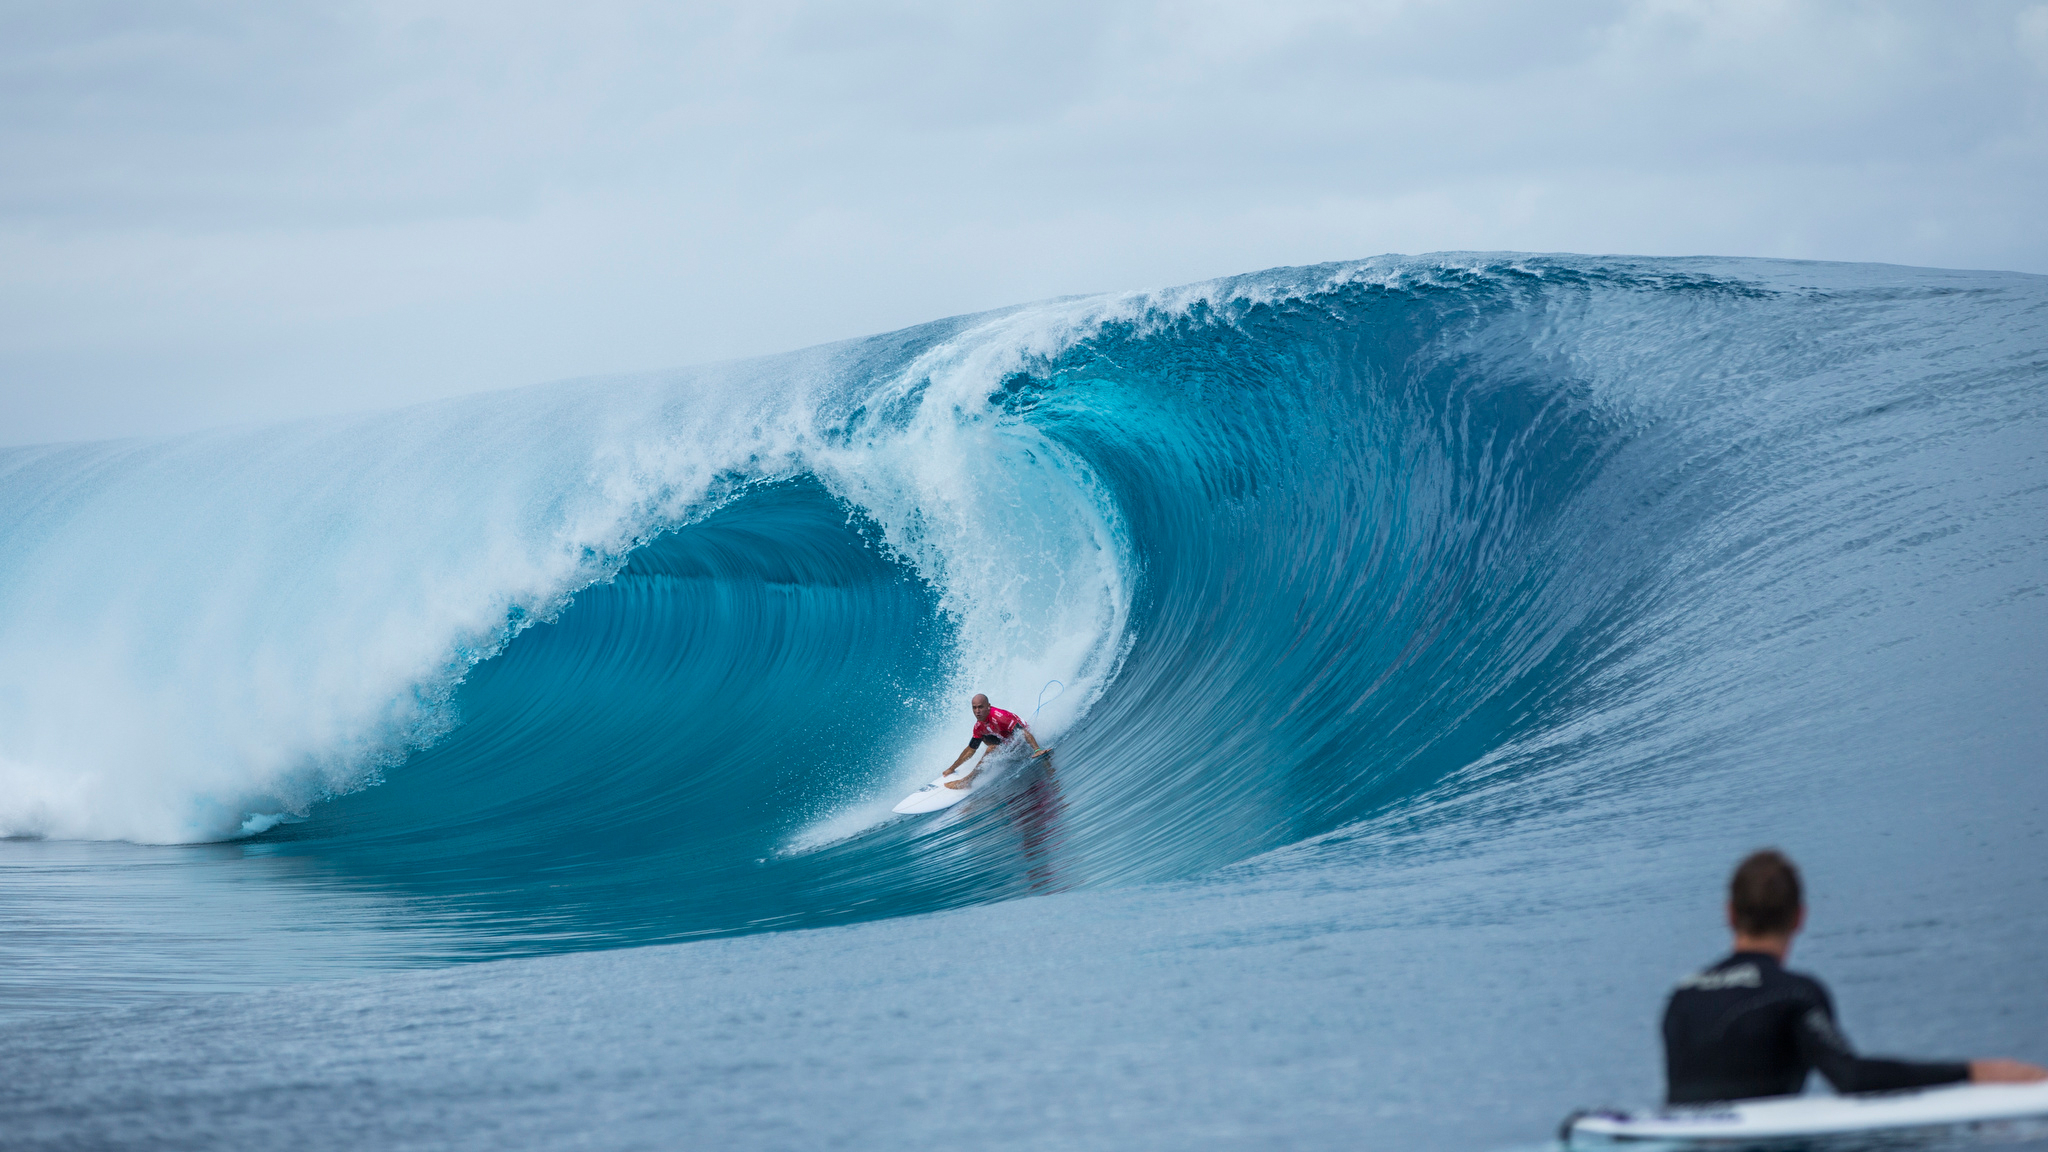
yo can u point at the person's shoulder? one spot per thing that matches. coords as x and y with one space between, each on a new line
1737 971
1805 983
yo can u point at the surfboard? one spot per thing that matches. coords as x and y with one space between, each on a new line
1805 1117
935 795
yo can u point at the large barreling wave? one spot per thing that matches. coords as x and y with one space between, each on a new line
646 658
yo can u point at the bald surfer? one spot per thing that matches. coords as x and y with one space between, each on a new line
1750 1027
992 726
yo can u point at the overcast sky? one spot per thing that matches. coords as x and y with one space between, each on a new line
221 212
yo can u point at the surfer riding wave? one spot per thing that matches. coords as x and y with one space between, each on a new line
992 726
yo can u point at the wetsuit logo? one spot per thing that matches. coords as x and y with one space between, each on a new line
1740 976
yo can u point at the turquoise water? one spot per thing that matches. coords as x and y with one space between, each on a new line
1430 636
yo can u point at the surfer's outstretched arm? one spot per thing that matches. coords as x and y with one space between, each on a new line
959 760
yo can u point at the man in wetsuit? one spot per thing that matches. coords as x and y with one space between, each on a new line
1747 1027
991 726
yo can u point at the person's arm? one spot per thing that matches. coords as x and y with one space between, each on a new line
1827 1049
1999 1070
960 759
1029 736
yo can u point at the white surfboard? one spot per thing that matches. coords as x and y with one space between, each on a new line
1787 1117
935 795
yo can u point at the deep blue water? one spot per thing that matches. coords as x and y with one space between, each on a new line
1462 618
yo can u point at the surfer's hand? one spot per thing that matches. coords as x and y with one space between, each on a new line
2002 1071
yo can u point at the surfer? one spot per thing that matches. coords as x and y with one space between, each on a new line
1747 1027
993 726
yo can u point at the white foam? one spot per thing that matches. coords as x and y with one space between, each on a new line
1011 527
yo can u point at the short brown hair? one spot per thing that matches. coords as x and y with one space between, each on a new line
1764 894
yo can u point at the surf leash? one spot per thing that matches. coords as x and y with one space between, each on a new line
1041 697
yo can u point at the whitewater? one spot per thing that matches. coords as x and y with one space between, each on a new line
1430 635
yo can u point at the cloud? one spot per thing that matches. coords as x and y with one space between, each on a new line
217 212
2032 27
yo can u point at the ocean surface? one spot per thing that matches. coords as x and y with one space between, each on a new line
1422 641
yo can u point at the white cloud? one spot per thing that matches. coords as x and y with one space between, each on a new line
215 212
2032 27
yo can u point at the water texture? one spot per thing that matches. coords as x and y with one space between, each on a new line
1496 582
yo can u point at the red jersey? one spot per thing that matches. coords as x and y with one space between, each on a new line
996 728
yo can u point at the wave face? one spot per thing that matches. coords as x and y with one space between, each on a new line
639 659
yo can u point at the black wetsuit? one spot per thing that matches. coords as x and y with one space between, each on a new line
1746 1027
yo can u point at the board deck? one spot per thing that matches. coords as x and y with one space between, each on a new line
935 796
1782 1117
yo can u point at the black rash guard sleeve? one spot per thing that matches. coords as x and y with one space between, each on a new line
1828 1050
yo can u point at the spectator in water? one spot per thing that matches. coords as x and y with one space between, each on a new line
1748 1027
